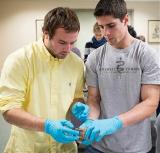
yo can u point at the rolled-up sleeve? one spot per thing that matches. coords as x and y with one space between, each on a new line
13 82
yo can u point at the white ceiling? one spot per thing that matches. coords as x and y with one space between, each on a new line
144 0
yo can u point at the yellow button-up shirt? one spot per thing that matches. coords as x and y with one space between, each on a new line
44 86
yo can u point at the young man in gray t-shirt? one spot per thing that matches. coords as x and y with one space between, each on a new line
123 78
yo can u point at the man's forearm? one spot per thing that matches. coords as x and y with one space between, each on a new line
137 114
94 108
143 110
20 118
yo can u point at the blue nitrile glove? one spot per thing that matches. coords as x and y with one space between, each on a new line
97 129
61 131
87 124
80 111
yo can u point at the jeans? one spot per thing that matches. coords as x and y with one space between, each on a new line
158 134
90 149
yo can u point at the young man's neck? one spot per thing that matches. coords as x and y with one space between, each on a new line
125 42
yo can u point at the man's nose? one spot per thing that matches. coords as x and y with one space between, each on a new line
68 47
106 31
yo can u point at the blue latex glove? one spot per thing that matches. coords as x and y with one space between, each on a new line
80 111
97 129
87 124
61 131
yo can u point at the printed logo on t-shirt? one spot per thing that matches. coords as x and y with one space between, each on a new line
120 66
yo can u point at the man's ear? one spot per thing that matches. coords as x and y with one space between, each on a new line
125 19
45 35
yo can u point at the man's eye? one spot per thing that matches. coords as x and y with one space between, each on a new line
111 26
101 27
62 43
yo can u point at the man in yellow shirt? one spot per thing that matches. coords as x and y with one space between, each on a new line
37 86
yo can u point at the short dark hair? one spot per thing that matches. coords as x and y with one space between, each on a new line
131 31
115 8
60 18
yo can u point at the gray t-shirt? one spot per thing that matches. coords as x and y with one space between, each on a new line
119 74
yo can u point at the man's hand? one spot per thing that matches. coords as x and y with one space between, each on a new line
62 131
80 111
97 129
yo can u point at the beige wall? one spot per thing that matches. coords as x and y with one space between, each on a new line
144 11
17 20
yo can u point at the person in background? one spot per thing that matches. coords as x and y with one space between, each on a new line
158 109
37 86
123 78
141 37
132 31
157 125
97 41
76 51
